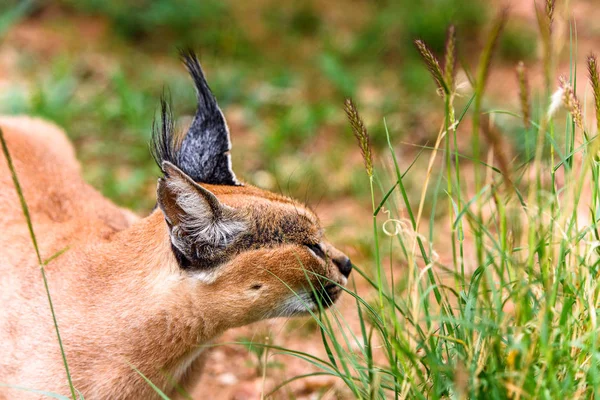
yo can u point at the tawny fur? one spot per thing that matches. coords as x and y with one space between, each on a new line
121 299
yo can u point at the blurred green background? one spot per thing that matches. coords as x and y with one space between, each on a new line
280 70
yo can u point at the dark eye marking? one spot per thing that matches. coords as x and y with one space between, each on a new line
316 248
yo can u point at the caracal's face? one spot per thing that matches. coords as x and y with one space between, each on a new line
281 265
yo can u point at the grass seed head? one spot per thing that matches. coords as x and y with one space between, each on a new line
433 66
360 133
523 80
450 57
550 12
570 101
592 64
544 19
492 40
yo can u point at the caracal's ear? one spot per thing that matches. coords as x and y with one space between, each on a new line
200 227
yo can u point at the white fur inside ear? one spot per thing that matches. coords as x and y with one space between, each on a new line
198 220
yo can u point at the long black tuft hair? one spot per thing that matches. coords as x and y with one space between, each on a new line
162 146
203 152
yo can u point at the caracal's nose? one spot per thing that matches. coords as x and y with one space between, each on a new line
344 265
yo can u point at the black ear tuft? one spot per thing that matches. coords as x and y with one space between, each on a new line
207 103
162 146
203 152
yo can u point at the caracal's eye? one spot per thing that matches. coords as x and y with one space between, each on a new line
316 249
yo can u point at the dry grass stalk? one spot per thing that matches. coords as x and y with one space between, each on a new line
592 64
433 66
523 80
497 143
360 133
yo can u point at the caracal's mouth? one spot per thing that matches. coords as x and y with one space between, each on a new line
326 295
305 302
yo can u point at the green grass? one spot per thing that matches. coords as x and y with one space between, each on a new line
519 323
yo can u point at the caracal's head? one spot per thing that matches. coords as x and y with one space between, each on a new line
258 254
